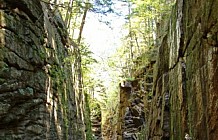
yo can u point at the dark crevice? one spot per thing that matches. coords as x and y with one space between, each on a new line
15 65
17 56
11 87
9 29
210 11
22 7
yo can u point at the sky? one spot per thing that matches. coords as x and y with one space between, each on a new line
104 39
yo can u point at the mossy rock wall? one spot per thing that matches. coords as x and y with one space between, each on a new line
38 98
185 93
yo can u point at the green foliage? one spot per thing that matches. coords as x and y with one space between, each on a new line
95 107
102 6
57 73
140 43
69 59
88 101
87 58
73 12
130 79
142 134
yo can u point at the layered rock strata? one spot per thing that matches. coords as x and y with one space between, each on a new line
134 104
38 97
185 93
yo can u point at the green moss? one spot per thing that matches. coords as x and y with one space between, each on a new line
42 55
58 75
130 79
142 134
2 81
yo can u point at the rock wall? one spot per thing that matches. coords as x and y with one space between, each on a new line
38 96
185 93
134 102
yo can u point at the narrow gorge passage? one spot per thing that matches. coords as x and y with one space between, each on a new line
108 70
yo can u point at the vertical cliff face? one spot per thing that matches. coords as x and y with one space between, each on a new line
134 104
185 98
38 99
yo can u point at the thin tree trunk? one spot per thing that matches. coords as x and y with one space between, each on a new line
79 66
83 23
137 43
75 19
68 13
